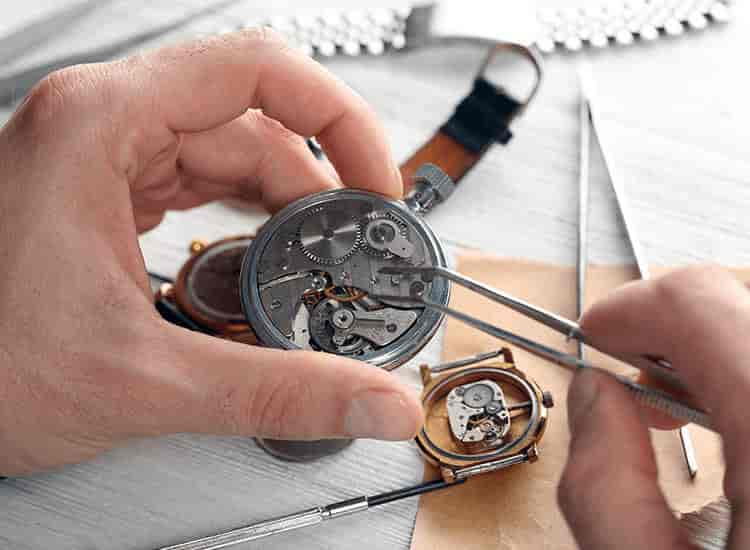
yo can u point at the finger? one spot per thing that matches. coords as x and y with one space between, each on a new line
609 493
254 155
698 318
245 390
621 322
205 84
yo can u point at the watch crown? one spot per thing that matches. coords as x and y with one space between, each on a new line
431 186
547 400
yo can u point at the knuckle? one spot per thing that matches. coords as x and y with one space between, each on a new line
253 38
274 130
263 36
59 91
74 93
680 286
684 293
276 409
280 412
364 109
49 98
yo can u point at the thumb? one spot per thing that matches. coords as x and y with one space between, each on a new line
238 389
609 492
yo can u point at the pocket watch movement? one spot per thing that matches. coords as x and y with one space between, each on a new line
312 277
481 418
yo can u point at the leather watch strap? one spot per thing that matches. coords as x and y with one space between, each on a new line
481 118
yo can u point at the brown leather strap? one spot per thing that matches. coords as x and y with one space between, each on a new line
481 118
443 151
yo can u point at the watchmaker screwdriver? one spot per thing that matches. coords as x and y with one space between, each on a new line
307 518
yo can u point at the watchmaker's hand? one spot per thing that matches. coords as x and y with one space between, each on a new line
698 318
97 153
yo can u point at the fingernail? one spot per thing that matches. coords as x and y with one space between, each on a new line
380 415
397 177
584 390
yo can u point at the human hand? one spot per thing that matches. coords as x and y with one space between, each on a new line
98 153
698 318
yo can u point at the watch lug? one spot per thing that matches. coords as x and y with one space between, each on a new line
425 373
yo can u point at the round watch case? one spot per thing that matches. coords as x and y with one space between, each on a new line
206 289
526 410
311 278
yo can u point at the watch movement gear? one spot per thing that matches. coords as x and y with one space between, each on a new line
329 236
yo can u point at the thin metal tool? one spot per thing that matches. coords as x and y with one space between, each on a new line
307 518
587 106
450 365
583 213
652 397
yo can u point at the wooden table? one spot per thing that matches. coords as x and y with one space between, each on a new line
677 114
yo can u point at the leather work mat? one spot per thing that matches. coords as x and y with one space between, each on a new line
517 508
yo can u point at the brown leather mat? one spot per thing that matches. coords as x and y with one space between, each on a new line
517 508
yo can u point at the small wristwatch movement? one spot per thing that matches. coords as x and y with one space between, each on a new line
481 417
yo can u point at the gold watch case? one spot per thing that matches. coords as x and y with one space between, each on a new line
524 401
206 289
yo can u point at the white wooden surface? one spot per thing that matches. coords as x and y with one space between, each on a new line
678 115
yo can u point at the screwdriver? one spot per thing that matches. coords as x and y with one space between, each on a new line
308 518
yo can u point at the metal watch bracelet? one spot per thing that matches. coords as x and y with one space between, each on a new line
378 30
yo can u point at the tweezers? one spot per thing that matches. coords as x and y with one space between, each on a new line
657 368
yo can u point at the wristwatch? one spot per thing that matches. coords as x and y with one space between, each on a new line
481 416
205 295
315 276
